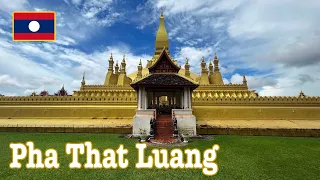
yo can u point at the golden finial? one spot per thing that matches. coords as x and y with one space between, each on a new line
187 61
302 94
244 81
83 81
140 63
202 58
161 12
161 36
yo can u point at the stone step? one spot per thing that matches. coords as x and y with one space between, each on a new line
164 129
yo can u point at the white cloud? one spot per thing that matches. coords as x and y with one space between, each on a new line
254 82
76 2
7 80
291 80
63 40
276 39
4 32
47 66
4 22
13 5
227 69
225 81
66 1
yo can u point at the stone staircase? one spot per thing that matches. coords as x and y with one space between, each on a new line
164 130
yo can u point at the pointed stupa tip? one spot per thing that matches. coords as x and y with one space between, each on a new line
140 63
244 78
187 61
202 58
162 39
215 56
301 93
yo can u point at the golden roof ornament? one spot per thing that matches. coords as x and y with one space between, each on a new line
244 81
110 68
83 80
216 63
161 36
301 94
124 59
210 67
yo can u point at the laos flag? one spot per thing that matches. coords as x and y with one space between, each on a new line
33 26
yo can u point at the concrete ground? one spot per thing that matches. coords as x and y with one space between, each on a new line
273 124
67 122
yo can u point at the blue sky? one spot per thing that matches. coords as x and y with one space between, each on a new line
274 43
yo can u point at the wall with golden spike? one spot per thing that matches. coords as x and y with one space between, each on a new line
117 100
207 105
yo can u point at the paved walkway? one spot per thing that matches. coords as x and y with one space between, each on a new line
273 124
67 122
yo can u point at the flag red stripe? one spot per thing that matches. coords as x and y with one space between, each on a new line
33 16
33 36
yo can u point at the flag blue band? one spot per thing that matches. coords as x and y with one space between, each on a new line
22 26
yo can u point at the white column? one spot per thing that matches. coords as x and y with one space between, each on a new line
190 97
145 99
185 101
139 98
181 100
142 98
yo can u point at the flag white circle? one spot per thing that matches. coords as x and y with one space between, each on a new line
34 26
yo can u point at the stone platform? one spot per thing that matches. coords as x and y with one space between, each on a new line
304 128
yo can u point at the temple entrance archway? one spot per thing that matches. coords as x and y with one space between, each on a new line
164 100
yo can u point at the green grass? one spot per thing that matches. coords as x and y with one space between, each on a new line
239 157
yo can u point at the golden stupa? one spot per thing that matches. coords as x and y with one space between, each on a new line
114 102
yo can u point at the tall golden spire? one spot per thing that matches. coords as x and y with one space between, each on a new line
215 77
203 66
162 36
110 69
216 63
244 81
210 68
83 82
139 74
187 68
116 68
123 65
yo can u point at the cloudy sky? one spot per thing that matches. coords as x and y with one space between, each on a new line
275 43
